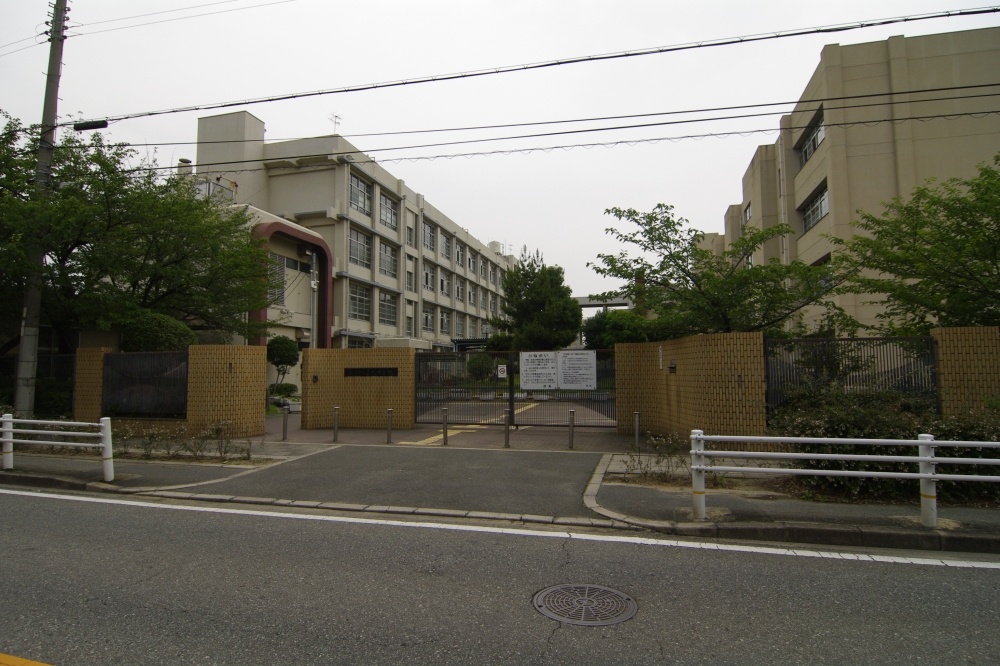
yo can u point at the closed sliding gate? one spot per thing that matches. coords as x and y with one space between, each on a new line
479 387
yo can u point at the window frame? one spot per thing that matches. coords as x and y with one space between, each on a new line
388 302
388 254
359 302
361 192
390 204
359 248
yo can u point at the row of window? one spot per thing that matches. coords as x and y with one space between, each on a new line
360 308
361 201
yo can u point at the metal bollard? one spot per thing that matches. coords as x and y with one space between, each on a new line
444 425
336 422
928 487
388 426
635 419
506 428
572 418
698 475
284 423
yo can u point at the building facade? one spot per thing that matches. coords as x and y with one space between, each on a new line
400 272
875 121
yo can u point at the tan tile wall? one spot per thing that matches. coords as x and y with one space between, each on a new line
968 367
88 389
227 383
718 385
363 401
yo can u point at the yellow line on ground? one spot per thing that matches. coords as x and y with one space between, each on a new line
11 660
436 438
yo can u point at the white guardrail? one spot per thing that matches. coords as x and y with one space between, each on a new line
94 436
926 459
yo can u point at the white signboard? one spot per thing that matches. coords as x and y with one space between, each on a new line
573 370
539 370
578 370
501 372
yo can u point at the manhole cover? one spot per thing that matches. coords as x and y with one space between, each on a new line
589 605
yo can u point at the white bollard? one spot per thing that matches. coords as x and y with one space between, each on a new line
928 487
698 475
7 436
107 451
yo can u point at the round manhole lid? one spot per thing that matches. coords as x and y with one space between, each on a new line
588 605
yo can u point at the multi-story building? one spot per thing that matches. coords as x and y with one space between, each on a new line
366 261
875 121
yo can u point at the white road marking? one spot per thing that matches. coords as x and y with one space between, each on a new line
643 541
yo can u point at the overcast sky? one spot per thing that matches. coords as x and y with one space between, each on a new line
188 55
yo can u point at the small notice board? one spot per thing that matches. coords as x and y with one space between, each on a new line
574 370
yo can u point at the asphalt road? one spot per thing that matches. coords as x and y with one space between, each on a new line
89 580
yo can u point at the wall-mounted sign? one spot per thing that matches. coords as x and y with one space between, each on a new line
539 370
371 372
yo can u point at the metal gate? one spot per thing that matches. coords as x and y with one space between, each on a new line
479 388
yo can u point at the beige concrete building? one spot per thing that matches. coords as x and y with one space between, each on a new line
874 121
366 261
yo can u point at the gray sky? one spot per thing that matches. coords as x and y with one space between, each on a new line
550 200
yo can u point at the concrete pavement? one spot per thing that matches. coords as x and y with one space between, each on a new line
537 480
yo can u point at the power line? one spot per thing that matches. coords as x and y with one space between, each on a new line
604 144
564 61
817 102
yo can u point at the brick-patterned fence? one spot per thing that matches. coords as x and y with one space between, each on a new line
713 382
968 367
364 383
226 384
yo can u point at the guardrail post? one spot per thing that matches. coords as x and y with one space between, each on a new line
506 429
444 425
572 417
928 487
284 423
8 440
336 422
635 426
388 426
698 474
107 451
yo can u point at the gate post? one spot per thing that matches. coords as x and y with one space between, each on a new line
928 487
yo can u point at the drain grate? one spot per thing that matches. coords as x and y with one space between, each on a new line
588 605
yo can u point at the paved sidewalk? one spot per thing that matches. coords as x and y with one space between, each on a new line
537 480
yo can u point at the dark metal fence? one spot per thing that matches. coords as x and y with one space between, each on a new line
146 384
856 365
477 388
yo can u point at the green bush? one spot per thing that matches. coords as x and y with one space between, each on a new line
480 367
283 390
831 412
156 332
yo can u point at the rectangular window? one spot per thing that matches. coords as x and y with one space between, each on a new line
409 281
360 304
446 246
817 208
428 276
430 236
276 280
388 212
460 255
473 297
482 268
472 262
493 274
388 260
445 283
482 298
409 236
360 248
493 303
361 195
459 325
427 317
354 342
409 326
747 213
387 309
459 289
446 321
814 137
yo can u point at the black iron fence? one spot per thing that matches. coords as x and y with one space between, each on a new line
146 384
478 388
899 365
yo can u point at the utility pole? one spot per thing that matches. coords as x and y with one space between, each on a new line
27 355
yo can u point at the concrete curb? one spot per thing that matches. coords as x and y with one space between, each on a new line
800 532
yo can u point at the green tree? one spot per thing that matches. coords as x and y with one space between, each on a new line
692 290
119 241
608 327
283 354
155 332
935 259
539 309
